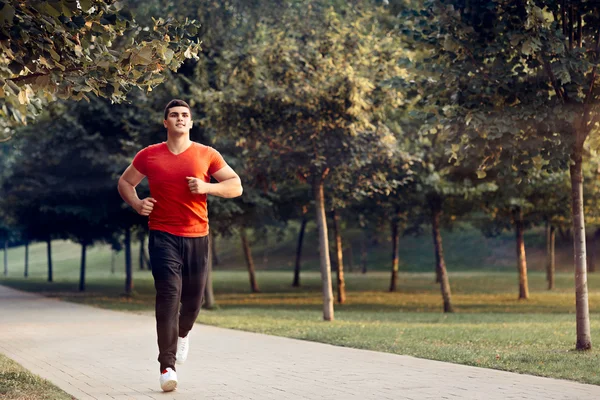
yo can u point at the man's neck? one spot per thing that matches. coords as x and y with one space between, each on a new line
177 144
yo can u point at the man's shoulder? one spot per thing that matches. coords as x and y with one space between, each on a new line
203 148
153 147
156 146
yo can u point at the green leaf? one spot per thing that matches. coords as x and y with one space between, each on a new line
23 98
450 44
13 87
85 5
168 56
7 13
109 19
71 5
54 54
47 9
142 57
561 72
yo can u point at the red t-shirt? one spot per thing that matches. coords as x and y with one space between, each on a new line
177 210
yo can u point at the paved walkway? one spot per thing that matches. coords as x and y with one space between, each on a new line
100 354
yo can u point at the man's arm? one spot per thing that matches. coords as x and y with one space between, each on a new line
127 183
229 184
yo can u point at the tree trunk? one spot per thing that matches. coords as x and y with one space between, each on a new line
350 259
591 262
113 261
142 260
363 252
547 229
521 257
395 257
296 282
128 266
341 283
594 249
49 252
551 259
209 295
265 260
323 248
438 271
5 257
249 261
82 269
584 338
213 249
436 213
26 274
563 235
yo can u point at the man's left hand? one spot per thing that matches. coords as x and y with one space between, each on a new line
197 186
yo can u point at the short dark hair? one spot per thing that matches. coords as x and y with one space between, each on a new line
176 103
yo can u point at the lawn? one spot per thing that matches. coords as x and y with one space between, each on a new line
19 384
490 327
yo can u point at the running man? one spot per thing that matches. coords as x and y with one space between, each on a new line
178 173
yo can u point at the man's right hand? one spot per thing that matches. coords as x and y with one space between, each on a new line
145 206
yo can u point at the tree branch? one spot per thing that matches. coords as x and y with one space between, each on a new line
555 85
587 102
579 29
563 11
571 28
38 74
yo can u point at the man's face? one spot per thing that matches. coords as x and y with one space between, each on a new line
178 120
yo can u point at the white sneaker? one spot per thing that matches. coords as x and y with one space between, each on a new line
168 380
183 348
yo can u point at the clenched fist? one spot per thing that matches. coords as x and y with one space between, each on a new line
197 186
145 207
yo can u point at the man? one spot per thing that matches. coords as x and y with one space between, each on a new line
178 172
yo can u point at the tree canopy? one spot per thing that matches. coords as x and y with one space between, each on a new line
69 48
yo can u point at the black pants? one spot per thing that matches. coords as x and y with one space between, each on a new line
179 267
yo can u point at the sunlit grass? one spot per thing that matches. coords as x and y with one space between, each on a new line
16 383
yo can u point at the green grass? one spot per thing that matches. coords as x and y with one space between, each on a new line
491 327
16 383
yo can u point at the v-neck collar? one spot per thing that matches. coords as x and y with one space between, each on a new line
177 155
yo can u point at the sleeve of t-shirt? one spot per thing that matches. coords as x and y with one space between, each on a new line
140 161
216 162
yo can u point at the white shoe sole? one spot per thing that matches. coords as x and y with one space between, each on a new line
169 386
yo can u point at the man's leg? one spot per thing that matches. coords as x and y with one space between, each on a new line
194 275
166 270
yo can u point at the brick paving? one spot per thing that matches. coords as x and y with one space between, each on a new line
101 354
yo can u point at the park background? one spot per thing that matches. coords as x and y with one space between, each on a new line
416 173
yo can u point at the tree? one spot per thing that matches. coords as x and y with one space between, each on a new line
550 200
522 69
378 213
302 96
339 260
64 184
440 189
66 49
